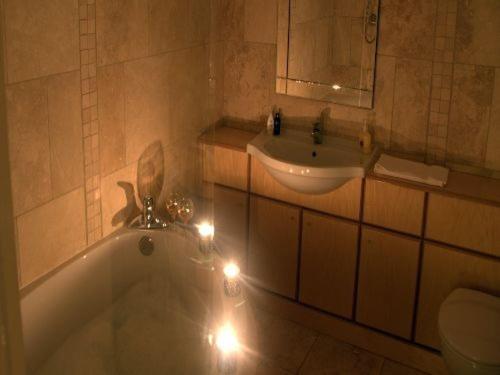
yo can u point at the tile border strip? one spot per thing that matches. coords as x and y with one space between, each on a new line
90 120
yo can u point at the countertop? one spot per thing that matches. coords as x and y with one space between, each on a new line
484 189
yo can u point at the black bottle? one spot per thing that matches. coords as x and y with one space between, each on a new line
277 123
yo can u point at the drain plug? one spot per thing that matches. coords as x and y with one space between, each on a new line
146 246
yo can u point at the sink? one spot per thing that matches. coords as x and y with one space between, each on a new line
296 162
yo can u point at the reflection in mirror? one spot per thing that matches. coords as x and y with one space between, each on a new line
327 49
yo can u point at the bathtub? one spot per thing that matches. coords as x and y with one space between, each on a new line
116 310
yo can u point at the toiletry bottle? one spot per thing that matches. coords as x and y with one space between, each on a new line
270 124
277 123
365 139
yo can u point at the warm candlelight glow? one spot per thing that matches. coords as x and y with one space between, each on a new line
205 229
226 339
231 270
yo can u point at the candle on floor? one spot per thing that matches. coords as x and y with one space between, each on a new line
231 280
227 345
206 232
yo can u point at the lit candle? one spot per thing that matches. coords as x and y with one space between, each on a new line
231 280
206 232
227 345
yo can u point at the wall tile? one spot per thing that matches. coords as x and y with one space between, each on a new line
478 32
260 21
493 147
188 78
29 145
248 79
187 24
233 19
407 28
147 92
111 87
65 128
41 38
411 105
384 96
121 30
469 113
51 234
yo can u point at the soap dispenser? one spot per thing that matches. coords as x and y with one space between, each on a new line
277 123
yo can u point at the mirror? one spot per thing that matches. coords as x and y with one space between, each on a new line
327 49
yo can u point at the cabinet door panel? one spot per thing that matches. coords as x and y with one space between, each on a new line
464 223
273 247
443 270
328 263
230 220
225 166
387 281
393 206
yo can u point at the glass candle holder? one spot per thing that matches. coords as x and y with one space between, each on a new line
172 204
206 232
232 286
227 347
185 210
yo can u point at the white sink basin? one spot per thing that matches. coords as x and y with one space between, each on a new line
295 161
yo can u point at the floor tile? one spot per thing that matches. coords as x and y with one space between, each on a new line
329 356
393 368
282 343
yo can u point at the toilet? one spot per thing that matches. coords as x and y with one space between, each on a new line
469 327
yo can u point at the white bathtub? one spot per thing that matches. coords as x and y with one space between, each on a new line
84 289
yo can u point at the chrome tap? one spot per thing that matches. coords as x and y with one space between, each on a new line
148 220
317 133
148 208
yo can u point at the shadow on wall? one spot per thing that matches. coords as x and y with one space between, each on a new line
150 177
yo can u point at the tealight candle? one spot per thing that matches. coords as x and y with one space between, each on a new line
206 232
227 345
231 280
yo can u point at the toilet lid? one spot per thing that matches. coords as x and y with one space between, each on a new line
469 321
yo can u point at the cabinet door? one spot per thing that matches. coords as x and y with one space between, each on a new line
387 281
464 223
393 206
225 166
328 263
273 247
230 220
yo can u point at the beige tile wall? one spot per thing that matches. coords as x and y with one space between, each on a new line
105 101
437 93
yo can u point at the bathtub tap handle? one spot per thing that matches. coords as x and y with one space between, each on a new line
148 210
148 219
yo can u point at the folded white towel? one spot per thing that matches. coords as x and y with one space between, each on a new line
411 170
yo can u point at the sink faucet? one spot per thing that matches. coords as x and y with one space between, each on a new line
317 133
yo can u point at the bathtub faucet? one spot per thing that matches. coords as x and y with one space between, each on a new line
148 220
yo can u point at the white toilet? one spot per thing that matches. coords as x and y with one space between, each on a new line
469 327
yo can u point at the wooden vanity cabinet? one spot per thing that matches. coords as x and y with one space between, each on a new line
328 263
387 281
273 245
231 223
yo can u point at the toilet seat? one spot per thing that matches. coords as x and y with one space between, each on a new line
469 322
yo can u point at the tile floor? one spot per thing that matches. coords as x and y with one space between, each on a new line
288 348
